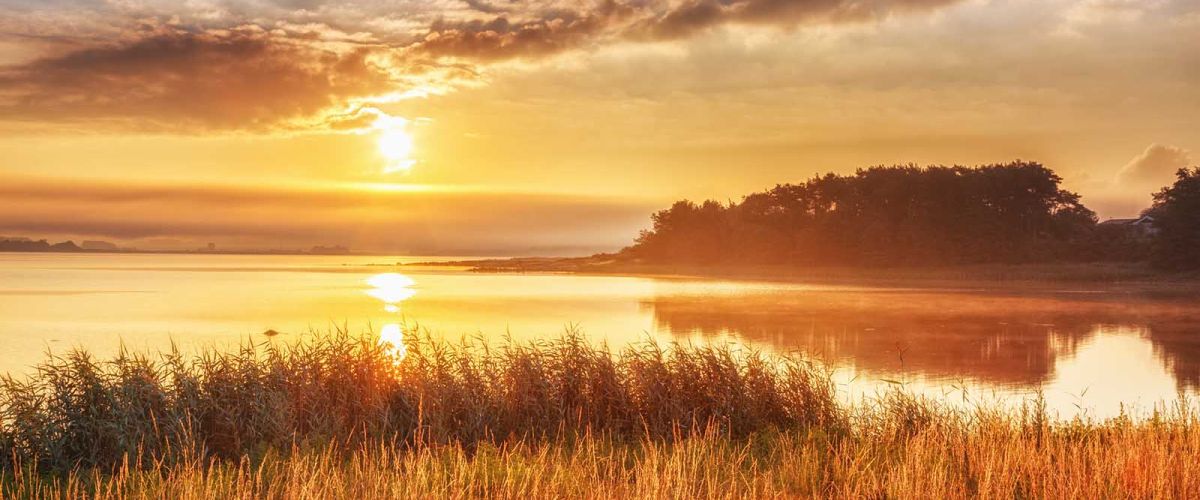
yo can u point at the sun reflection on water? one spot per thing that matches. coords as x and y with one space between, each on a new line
391 336
392 289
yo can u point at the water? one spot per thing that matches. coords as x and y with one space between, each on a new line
1087 352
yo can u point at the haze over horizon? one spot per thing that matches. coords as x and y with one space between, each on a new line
512 127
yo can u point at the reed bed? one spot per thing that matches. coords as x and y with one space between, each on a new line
337 416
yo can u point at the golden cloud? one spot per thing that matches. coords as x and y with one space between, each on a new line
265 76
241 78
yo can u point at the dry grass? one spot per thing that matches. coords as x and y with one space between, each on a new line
335 417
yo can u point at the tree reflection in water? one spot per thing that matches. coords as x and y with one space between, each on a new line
1013 340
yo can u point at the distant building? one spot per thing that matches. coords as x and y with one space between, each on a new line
1141 226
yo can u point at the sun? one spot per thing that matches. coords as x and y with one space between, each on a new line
395 144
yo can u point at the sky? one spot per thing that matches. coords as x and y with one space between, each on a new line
494 127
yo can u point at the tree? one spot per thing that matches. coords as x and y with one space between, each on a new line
1176 214
899 215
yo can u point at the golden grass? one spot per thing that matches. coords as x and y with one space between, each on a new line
997 459
335 418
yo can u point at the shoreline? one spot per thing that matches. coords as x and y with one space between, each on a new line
1099 276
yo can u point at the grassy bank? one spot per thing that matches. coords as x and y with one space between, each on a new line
338 417
951 459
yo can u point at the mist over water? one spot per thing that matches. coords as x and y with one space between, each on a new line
1085 351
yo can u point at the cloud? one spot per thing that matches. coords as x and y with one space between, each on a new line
549 32
693 16
265 66
1091 12
486 6
553 30
244 77
1155 167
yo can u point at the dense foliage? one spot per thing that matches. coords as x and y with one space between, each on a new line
1176 213
1013 212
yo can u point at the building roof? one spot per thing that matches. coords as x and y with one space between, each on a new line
1139 221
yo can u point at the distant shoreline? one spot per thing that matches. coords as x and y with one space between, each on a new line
43 245
194 252
1105 275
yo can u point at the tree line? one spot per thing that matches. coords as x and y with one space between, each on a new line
911 215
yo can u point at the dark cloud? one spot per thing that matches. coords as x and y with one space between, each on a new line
685 19
549 32
693 16
171 78
486 6
554 30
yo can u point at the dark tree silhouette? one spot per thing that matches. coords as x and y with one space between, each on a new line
1013 212
1176 214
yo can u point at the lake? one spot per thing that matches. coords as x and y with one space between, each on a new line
1087 352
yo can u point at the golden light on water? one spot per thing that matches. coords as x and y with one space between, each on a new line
391 337
392 289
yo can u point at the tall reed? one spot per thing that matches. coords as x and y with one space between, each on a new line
76 411
335 416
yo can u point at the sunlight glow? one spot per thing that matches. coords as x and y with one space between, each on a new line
391 337
395 143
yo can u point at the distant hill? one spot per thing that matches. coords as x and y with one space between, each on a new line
28 245
24 244
99 245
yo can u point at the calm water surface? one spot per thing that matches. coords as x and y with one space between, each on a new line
1086 352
